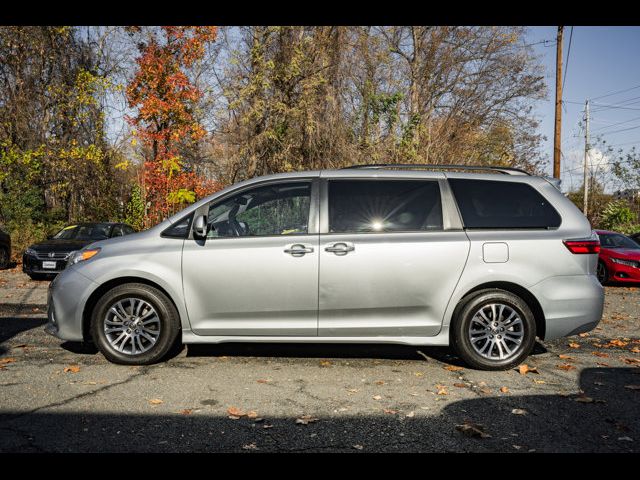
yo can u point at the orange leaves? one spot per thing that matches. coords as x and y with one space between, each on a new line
504 390
72 369
155 401
574 345
600 354
453 368
306 420
524 369
442 390
566 367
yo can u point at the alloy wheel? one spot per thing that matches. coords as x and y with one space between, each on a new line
496 331
132 326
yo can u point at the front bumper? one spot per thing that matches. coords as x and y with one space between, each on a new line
31 264
623 273
571 304
67 296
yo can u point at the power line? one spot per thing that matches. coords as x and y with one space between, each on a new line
566 68
616 124
621 130
615 93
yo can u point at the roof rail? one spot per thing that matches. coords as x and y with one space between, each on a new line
415 166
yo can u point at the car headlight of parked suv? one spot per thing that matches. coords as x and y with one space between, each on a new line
81 255
630 263
30 252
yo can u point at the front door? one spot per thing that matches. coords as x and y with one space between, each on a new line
387 266
256 273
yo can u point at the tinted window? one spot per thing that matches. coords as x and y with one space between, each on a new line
495 204
117 231
357 206
128 230
89 231
180 229
616 240
281 209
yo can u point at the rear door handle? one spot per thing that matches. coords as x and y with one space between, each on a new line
340 248
298 250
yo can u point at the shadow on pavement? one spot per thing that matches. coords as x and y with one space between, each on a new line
12 326
553 423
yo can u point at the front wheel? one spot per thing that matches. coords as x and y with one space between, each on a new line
602 273
135 324
493 330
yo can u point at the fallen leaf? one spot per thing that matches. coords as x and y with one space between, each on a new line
460 385
358 447
566 366
377 397
325 363
453 368
634 349
504 390
418 374
235 412
632 387
484 390
602 364
584 399
631 361
155 401
306 419
4 361
186 411
263 380
617 343
252 414
379 382
250 446
519 411
524 369
266 425
353 390
389 411
473 430
565 357
410 415
72 369
442 390
600 354
540 382
574 345
583 335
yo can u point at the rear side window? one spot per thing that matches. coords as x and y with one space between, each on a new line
361 206
494 204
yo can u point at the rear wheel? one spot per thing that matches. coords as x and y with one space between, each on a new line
493 330
602 273
135 324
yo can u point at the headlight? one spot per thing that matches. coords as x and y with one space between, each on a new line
629 263
30 251
81 256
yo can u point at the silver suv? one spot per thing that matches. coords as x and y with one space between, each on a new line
428 255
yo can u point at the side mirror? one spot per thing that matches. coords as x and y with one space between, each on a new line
200 227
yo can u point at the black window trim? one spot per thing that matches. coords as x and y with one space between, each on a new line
324 204
312 228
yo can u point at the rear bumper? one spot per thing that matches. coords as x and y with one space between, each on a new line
571 304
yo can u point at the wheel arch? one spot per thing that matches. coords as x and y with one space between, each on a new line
528 297
104 288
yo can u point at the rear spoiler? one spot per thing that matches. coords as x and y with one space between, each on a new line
553 181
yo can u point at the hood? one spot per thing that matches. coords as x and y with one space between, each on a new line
54 245
630 253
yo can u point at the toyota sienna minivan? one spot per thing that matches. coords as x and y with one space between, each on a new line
418 255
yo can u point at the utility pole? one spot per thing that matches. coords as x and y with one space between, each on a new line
587 147
557 138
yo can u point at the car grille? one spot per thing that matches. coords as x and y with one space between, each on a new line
52 255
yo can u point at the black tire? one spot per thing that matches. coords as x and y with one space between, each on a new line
465 313
169 321
5 258
602 273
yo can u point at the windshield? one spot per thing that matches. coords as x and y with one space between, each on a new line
90 231
617 241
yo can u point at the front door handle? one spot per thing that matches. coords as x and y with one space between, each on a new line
340 248
298 250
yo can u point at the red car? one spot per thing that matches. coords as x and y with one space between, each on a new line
619 258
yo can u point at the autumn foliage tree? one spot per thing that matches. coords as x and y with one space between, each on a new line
166 99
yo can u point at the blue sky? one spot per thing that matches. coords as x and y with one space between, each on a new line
602 60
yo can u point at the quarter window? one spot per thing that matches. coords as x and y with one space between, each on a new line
281 209
496 204
362 206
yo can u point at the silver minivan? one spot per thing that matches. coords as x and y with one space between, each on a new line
419 255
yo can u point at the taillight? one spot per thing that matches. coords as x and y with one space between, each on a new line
582 246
